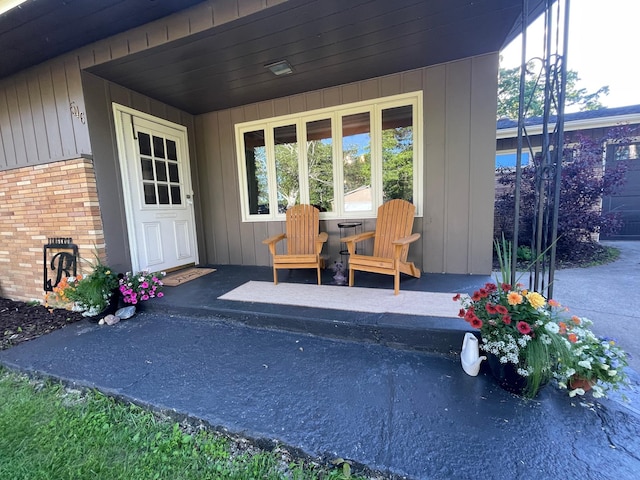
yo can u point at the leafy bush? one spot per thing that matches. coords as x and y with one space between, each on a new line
583 184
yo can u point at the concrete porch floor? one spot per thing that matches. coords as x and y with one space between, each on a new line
433 334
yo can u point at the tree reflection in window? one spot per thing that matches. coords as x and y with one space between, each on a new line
356 150
256 163
397 153
320 163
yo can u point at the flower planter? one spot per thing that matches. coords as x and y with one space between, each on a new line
579 382
507 376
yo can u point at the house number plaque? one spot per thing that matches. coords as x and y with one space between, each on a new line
75 111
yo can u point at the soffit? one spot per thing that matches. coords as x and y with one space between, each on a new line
328 43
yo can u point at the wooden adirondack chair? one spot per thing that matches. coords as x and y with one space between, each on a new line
304 241
391 244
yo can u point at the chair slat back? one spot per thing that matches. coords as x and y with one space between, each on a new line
395 220
303 226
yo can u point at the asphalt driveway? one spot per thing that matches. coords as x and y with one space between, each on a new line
607 295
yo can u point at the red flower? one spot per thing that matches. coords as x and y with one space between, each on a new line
506 287
524 328
506 319
490 287
483 292
457 297
461 313
573 338
501 309
469 315
476 296
490 308
476 322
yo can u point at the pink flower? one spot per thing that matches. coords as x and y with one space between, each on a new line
524 328
145 297
144 284
160 294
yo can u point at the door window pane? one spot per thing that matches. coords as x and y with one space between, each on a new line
149 194
161 171
147 169
256 165
163 194
356 151
144 143
397 153
176 198
320 163
158 146
173 173
171 150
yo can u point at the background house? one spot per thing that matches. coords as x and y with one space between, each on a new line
592 124
152 133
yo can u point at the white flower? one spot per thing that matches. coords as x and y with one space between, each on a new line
576 391
612 373
585 364
546 339
552 327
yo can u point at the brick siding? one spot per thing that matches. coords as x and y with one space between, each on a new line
39 202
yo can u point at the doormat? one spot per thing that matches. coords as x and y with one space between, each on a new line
183 276
372 300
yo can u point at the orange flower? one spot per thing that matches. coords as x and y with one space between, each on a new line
563 328
572 337
575 320
514 298
553 303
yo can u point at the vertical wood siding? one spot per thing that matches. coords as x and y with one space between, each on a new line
100 94
459 155
36 122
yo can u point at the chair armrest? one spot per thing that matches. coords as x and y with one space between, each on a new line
353 239
271 241
357 237
322 237
274 239
407 240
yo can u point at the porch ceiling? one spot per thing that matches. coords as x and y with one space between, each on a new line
327 42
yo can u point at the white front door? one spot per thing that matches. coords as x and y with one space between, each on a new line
156 180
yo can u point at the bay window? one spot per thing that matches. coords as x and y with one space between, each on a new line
346 160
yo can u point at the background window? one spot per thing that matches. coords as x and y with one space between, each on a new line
256 163
320 164
286 157
356 155
397 153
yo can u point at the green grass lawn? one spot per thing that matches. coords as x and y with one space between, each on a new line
50 432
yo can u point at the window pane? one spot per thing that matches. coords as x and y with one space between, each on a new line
356 150
173 173
627 152
286 148
397 153
144 143
320 161
161 171
171 150
158 147
149 194
256 163
147 169
163 194
176 198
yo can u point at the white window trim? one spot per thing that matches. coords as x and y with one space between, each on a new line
335 114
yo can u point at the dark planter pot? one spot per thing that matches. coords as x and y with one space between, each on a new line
111 307
506 374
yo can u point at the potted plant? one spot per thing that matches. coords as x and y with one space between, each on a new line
596 364
90 294
141 286
518 330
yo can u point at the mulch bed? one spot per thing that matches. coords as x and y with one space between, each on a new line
20 322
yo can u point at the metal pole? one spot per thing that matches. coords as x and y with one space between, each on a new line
559 149
516 214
